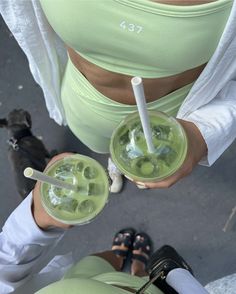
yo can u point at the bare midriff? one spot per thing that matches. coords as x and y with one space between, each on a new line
118 87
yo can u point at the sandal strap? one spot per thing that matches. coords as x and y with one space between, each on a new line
126 241
144 245
124 237
141 258
142 242
120 252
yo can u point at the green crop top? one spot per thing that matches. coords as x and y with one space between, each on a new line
139 37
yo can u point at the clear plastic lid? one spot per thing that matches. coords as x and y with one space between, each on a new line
76 207
129 149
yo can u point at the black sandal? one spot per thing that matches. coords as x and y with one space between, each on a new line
142 241
124 237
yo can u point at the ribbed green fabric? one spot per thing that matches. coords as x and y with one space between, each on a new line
133 37
92 117
94 275
139 37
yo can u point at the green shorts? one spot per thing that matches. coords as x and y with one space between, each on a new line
94 275
99 269
92 117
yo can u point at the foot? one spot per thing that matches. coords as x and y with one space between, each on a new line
140 254
116 177
122 244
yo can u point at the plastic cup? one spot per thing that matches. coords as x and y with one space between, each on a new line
130 154
76 207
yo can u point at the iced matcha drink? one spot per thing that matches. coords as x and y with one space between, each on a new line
81 206
129 149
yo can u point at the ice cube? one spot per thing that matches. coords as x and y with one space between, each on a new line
147 168
161 132
54 198
138 134
83 189
80 166
133 151
124 156
145 165
87 206
167 154
124 139
66 167
57 191
94 189
69 204
90 172
66 176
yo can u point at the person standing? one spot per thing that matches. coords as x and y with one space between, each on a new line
188 67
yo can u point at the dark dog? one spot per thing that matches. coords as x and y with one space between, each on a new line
25 150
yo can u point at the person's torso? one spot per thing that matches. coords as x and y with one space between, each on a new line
166 44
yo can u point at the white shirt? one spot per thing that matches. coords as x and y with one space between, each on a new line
210 105
24 248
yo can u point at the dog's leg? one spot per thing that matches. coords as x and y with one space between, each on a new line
3 123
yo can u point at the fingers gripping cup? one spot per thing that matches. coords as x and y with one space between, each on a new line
81 205
130 152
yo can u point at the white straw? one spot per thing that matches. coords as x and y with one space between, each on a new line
143 113
39 176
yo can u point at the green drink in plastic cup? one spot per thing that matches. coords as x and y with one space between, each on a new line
130 154
76 207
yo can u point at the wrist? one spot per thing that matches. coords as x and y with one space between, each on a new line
43 220
196 141
39 220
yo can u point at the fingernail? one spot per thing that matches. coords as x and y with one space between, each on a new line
140 183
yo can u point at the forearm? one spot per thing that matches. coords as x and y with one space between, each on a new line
23 246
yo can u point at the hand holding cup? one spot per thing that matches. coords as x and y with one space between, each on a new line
42 218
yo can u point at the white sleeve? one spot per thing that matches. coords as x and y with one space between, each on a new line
184 283
217 122
23 247
45 51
